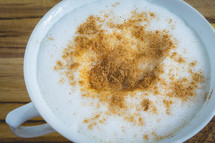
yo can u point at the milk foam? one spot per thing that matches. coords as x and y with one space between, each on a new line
72 109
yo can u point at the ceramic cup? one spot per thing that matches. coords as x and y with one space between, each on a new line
38 106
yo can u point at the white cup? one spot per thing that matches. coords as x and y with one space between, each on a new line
38 106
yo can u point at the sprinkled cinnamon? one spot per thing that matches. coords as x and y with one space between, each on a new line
193 64
167 104
118 61
146 103
146 137
92 121
114 5
181 60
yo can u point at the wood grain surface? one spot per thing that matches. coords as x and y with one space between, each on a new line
17 20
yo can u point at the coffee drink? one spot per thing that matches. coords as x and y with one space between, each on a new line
125 71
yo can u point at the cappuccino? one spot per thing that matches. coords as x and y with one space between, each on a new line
125 71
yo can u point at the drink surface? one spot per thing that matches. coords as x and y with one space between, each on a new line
147 114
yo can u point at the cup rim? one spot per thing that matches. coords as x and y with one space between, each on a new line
30 66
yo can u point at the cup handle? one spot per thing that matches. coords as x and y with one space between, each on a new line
18 116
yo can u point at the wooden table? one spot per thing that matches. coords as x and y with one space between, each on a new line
17 20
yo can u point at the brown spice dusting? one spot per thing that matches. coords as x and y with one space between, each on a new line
114 5
92 121
89 27
55 68
146 137
106 15
154 109
146 103
184 88
193 64
74 66
118 100
72 83
155 136
81 82
59 64
130 119
173 55
102 121
173 27
140 121
125 58
90 126
61 80
152 14
178 58
85 121
181 60
118 70
167 104
170 21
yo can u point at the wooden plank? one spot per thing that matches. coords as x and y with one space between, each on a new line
16 36
14 9
12 89
12 83
6 50
6 135
12 86
14 96
22 27
18 19
205 7
11 67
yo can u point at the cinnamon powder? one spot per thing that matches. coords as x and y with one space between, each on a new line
122 59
